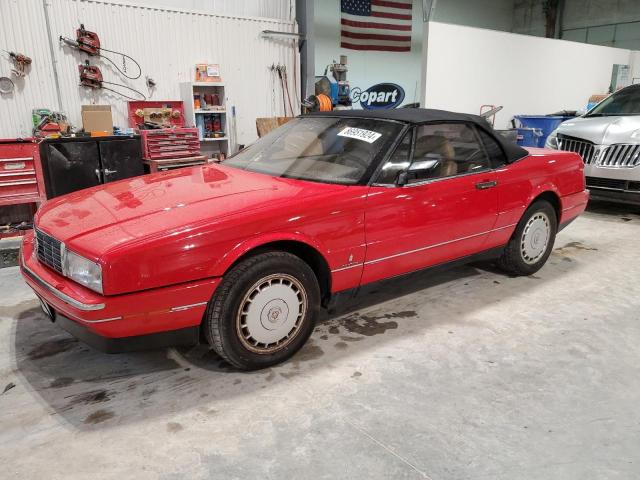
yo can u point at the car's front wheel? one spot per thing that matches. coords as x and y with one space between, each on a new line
263 311
532 241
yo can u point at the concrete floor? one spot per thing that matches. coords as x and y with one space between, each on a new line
467 374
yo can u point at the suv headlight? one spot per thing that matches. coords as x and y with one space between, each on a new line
552 140
83 271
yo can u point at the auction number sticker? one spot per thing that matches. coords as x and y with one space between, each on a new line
360 134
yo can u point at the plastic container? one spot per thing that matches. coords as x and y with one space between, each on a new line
200 126
543 123
529 137
511 135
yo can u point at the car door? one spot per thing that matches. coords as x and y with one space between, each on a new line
433 201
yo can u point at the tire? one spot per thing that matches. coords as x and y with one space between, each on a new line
527 251
263 311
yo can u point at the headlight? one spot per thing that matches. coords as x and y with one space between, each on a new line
83 271
552 140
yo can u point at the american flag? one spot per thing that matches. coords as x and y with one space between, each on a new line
376 25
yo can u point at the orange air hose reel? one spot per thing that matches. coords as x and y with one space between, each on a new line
324 102
317 103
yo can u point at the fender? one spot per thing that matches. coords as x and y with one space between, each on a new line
242 248
541 188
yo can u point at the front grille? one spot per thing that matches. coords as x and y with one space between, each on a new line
583 148
620 156
610 183
49 251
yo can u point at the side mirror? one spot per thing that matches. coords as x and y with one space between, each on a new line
423 166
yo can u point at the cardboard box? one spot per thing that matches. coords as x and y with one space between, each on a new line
97 118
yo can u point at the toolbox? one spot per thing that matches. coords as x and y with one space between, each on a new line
21 184
170 143
153 166
20 172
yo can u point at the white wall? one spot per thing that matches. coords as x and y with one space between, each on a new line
280 9
166 43
467 67
368 68
23 29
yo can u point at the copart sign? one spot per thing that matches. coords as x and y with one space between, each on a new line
381 95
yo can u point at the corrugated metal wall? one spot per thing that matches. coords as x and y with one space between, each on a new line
280 9
23 29
166 43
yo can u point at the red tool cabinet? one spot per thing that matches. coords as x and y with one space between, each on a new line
20 172
21 181
170 143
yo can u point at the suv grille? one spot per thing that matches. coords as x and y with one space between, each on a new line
49 251
613 156
585 149
620 156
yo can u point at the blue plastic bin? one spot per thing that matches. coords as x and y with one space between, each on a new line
529 137
544 123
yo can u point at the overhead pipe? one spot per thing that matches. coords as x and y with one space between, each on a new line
270 33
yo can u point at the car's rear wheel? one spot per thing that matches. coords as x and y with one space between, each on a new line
263 311
532 241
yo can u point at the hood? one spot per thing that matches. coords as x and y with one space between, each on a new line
99 219
603 130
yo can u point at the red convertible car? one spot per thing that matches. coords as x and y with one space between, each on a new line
246 252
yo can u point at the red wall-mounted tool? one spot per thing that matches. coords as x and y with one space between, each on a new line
90 75
87 41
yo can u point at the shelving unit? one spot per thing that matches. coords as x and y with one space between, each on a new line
210 146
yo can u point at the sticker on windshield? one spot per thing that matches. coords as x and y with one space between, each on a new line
360 134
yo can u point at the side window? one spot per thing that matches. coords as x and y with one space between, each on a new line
494 150
398 162
446 150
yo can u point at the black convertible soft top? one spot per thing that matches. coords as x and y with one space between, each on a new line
512 151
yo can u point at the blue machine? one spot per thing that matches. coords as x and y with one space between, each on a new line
334 84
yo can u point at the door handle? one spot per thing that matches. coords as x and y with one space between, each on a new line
485 185
109 172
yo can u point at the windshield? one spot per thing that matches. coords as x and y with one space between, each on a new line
320 149
624 102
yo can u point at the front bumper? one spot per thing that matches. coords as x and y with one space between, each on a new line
116 323
614 190
620 185
171 338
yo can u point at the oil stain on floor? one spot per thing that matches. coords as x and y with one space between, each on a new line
9 258
53 347
370 325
